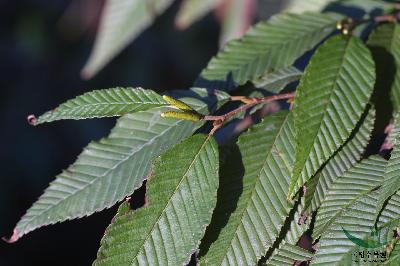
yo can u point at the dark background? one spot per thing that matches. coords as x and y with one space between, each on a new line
43 47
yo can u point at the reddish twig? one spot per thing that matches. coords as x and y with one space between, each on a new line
219 120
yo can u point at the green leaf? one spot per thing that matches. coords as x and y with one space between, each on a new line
394 258
268 46
121 22
387 37
276 81
289 254
345 191
182 193
330 100
109 170
192 10
392 178
252 205
391 211
357 217
348 155
105 103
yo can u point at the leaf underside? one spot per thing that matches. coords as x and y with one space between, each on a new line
330 100
346 157
268 46
109 170
256 195
105 103
181 196
350 204
288 252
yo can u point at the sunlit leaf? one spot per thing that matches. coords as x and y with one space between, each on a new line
268 46
330 100
105 103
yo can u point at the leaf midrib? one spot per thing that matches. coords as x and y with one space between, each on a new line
96 179
266 51
184 176
332 92
345 207
255 184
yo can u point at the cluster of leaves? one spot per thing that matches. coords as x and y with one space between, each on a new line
299 172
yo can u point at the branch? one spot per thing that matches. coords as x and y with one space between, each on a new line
219 120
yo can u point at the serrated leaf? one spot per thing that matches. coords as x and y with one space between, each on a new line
109 170
182 193
289 254
192 10
276 81
268 46
105 103
330 100
254 190
345 191
121 21
392 176
348 155
358 216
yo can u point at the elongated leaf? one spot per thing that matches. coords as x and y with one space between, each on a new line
330 100
357 218
254 194
193 10
268 46
182 193
392 176
121 21
347 189
341 162
276 81
105 103
109 170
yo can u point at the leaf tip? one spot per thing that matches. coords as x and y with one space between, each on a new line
14 238
32 120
